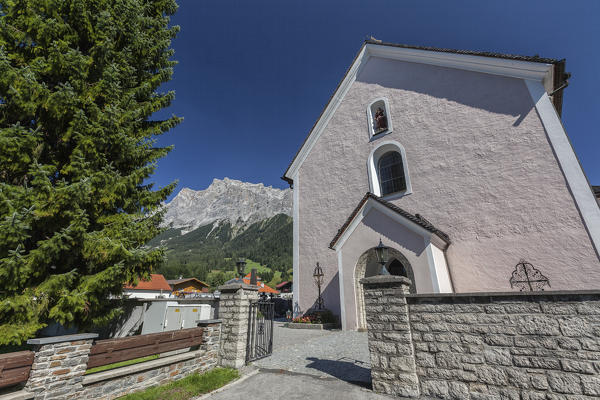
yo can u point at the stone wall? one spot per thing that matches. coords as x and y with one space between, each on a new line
115 383
60 363
532 345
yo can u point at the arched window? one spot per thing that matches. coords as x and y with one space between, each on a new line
391 173
388 171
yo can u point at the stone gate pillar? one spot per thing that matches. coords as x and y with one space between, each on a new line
393 369
234 307
59 364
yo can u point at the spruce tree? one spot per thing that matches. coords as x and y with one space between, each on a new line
79 83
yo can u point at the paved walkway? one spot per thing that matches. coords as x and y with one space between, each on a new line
340 354
268 385
309 364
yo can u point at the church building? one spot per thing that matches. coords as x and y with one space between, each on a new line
458 164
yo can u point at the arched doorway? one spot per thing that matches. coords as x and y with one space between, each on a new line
366 266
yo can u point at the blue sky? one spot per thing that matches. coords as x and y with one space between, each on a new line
253 76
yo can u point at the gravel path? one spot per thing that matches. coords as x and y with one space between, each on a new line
340 354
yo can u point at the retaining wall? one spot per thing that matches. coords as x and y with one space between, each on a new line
534 345
59 366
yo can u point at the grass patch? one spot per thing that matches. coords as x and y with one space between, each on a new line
276 280
120 364
188 387
253 264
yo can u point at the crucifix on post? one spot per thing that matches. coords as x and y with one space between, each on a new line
318 276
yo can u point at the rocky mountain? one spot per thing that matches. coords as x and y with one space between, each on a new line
213 248
226 201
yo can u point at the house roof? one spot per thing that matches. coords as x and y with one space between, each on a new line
535 58
262 287
249 274
178 281
282 284
559 79
416 218
157 282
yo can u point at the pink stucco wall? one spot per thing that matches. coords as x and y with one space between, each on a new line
481 167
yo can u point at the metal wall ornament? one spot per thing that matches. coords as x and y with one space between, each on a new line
319 278
527 278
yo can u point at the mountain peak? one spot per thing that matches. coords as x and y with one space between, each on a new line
240 203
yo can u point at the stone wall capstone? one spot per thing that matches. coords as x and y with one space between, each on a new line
530 346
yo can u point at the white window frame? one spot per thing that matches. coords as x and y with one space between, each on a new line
388 113
373 170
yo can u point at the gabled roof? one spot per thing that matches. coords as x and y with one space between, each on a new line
178 281
282 284
262 287
549 70
416 218
157 282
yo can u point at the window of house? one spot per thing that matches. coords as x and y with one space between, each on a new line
391 173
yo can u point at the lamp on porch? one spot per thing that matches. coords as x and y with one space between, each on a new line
381 251
241 268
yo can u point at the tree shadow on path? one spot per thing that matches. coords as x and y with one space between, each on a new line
347 371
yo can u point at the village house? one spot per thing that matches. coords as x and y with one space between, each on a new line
188 285
155 287
457 161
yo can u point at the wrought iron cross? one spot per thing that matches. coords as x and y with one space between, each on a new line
318 276
527 278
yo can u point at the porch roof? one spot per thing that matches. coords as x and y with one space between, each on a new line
416 218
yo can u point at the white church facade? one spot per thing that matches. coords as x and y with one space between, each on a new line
458 162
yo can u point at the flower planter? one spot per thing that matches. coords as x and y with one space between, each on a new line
296 325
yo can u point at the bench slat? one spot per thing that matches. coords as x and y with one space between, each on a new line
102 346
16 359
129 354
113 351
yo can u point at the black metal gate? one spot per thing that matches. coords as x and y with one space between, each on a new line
260 330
